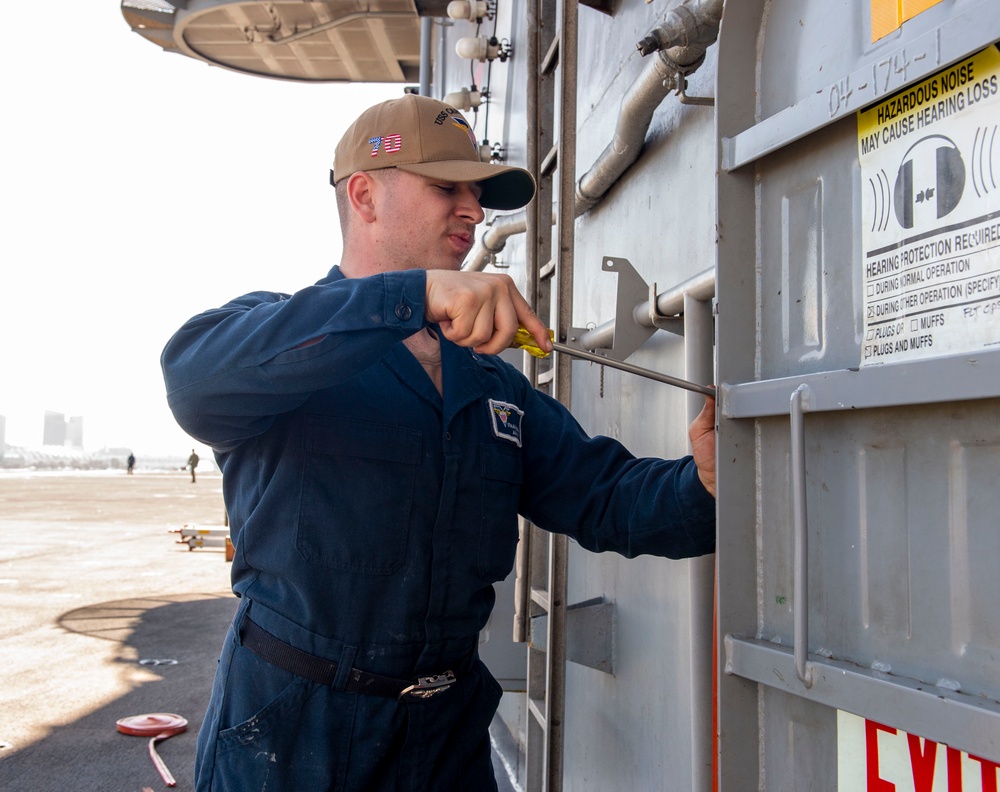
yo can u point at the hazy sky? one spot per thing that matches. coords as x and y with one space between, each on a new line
140 188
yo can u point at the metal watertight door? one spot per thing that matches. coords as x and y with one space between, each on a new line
859 366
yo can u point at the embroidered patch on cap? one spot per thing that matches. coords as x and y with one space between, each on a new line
390 144
506 421
462 124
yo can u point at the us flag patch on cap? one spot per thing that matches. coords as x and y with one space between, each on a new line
506 421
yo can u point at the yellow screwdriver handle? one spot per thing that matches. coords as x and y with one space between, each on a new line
526 341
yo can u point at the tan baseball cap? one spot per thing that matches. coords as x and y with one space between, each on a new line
421 135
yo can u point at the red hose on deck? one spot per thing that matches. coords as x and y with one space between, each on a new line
158 726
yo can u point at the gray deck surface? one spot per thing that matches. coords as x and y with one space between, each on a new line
91 582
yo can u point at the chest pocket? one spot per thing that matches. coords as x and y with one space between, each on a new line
502 479
357 494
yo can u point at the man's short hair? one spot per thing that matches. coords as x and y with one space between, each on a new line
421 135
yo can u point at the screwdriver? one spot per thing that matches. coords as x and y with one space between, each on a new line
524 340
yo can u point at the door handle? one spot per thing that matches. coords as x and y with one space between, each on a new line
800 536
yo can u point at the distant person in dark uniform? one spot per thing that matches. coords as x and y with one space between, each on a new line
131 462
192 463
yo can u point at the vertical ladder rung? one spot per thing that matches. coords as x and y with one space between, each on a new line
541 598
537 708
550 161
551 59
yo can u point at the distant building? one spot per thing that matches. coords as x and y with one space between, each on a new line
60 432
74 432
54 432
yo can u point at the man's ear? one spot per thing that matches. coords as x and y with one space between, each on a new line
361 192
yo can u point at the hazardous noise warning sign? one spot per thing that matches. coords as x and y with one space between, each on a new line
930 213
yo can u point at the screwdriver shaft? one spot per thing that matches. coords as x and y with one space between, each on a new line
642 372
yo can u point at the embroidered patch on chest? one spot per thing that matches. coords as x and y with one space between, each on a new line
506 421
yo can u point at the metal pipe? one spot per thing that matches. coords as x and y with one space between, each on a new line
493 241
600 337
686 46
699 346
699 366
686 32
684 37
671 302
634 118
800 530
426 27
668 303
441 56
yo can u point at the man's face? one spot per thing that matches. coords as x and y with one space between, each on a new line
426 223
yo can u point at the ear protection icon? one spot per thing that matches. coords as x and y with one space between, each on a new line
934 154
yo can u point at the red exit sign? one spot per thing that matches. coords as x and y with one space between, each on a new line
873 757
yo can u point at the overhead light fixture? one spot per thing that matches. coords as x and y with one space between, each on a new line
466 98
472 10
481 48
497 152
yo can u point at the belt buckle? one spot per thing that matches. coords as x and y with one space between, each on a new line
428 686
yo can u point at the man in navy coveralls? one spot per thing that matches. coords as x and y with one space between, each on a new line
375 456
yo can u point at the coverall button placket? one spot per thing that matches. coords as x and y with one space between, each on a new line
442 586
450 533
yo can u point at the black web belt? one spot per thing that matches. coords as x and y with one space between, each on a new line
324 672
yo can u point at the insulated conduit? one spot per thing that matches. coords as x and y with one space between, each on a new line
679 43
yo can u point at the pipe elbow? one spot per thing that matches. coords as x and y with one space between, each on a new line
584 202
690 27
494 239
478 259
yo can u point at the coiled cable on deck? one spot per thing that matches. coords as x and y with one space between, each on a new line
158 726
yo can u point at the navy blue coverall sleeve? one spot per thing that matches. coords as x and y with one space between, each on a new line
594 490
230 371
